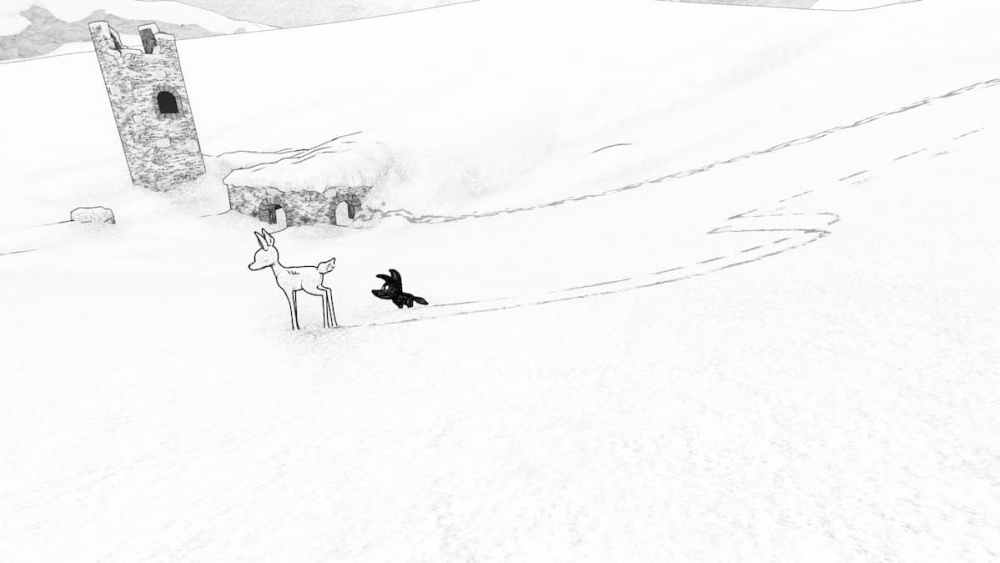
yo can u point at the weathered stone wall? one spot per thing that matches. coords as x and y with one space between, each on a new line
162 150
301 207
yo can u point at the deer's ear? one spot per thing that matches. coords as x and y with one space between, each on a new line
260 240
268 237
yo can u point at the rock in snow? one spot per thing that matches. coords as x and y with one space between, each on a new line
99 215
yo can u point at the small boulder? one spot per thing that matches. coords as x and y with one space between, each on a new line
98 215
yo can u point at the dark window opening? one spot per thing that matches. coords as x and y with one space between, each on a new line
167 102
148 40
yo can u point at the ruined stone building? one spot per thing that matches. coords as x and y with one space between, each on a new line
151 106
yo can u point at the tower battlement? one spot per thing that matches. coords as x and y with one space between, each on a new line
151 106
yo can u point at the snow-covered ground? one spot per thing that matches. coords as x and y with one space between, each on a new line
766 334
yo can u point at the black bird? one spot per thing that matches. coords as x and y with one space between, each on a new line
392 289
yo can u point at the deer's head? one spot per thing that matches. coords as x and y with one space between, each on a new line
267 256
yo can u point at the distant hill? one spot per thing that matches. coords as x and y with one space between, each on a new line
763 3
45 32
297 13
33 28
829 5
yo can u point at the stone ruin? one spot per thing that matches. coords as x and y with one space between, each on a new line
327 183
336 206
150 105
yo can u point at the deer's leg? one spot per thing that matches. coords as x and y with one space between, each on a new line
329 301
295 310
326 310
291 309
320 291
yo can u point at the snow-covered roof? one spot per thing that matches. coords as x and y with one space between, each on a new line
347 161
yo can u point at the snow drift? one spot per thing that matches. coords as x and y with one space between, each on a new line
351 160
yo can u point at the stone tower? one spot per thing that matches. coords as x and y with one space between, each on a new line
151 106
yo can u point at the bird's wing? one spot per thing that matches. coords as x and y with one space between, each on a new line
396 276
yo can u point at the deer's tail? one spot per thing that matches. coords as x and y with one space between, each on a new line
327 266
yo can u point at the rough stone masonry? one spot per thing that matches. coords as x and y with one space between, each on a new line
151 106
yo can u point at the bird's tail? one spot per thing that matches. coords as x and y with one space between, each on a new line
420 300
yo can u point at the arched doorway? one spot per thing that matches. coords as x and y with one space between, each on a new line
343 213
273 214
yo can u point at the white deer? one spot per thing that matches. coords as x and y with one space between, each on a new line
297 278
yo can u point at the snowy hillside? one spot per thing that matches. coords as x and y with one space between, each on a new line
663 101
705 284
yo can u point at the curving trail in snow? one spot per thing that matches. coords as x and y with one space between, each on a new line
802 230
794 228
798 141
